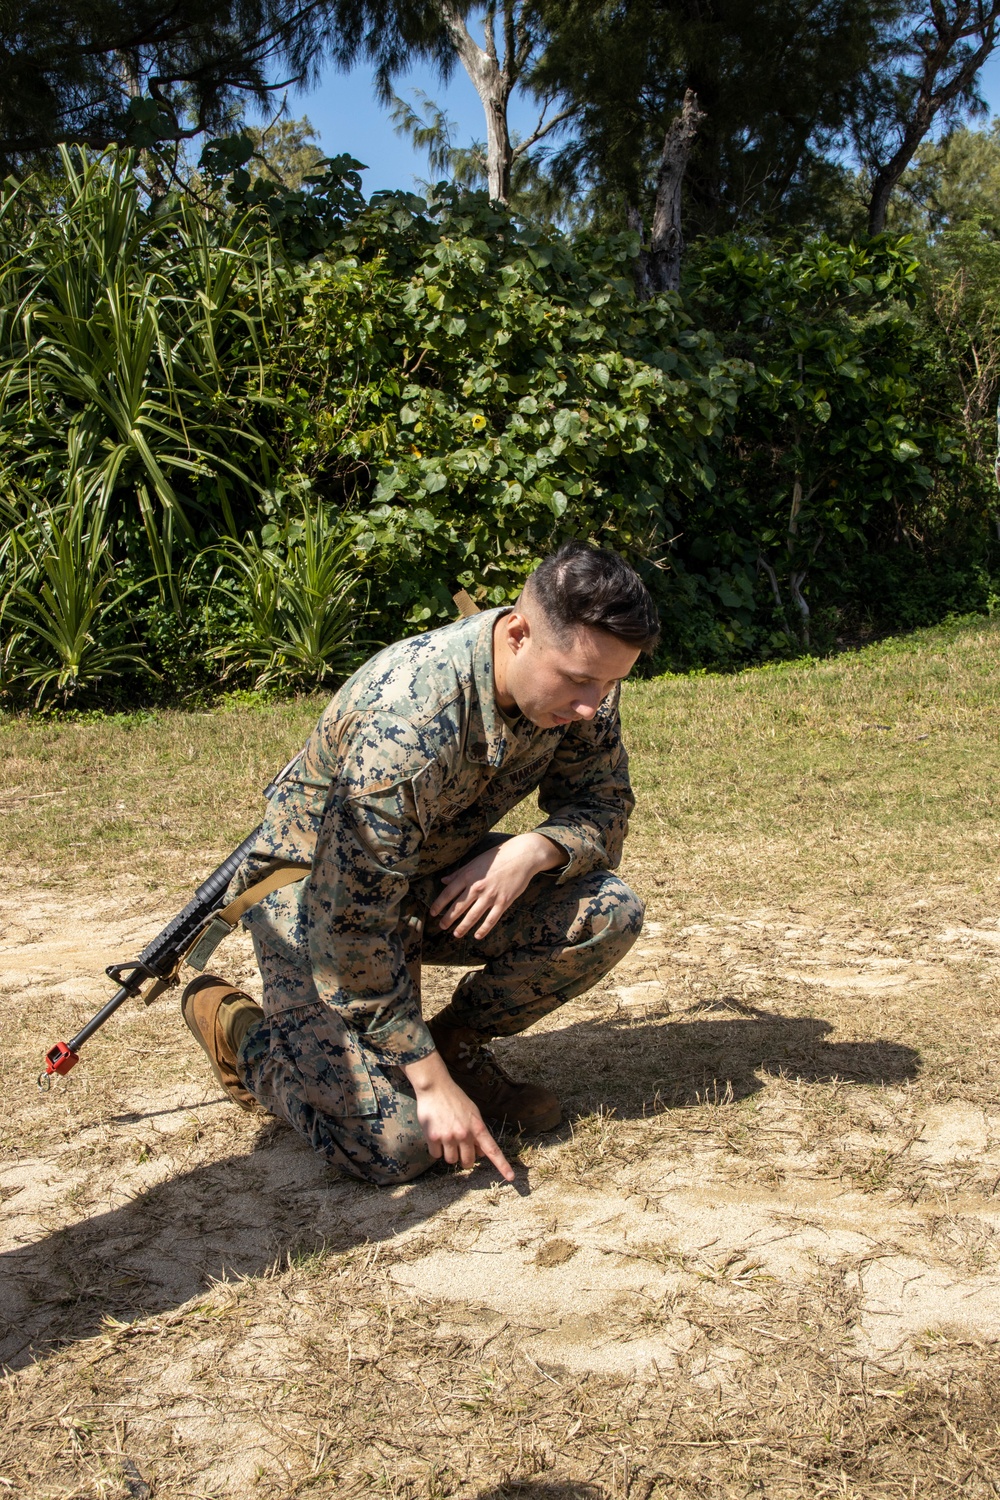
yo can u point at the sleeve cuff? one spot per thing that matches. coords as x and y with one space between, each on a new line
579 849
402 1038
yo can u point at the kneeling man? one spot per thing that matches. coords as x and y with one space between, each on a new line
388 811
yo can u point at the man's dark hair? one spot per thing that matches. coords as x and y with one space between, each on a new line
584 585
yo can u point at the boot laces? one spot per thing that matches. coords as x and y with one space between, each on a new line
483 1060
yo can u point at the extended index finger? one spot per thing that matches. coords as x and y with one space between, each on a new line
487 1146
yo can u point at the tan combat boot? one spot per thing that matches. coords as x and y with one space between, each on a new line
475 1069
219 1017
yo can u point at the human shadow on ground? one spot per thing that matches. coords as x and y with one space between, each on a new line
635 1066
528 1490
223 1220
240 1215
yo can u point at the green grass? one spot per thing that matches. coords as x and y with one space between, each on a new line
174 791
858 774
763 777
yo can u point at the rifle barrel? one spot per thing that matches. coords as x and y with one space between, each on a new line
160 955
106 1011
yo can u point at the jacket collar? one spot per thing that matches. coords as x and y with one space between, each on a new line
492 740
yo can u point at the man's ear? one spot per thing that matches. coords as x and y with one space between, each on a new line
518 629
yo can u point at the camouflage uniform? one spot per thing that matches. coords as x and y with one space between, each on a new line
410 766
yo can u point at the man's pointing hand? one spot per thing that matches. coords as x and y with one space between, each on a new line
452 1125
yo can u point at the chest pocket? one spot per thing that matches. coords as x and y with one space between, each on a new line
443 796
448 812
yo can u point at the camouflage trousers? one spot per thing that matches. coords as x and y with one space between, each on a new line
302 1060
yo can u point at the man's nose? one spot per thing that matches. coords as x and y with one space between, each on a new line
587 704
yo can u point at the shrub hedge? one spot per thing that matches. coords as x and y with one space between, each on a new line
211 421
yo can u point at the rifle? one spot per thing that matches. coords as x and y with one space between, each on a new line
191 936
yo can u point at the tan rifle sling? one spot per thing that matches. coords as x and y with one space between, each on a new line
221 923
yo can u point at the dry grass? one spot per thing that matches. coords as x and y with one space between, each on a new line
763 1256
368 1394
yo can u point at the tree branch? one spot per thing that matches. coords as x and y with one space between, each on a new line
542 129
763 566
935 49
475 61
509 43
525 44
490 34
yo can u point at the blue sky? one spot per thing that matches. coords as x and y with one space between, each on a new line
347 117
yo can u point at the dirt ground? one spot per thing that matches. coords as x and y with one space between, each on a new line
762 1256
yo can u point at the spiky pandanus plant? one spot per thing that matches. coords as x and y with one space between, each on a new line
302 602
135 388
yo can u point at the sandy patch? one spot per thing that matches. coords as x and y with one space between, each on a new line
739 1170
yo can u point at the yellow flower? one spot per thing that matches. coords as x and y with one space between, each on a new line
479 421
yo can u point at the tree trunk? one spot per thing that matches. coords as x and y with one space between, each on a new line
878 208
667 242
659 267
499 154
885 179
493 84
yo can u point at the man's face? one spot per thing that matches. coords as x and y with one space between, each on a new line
554 680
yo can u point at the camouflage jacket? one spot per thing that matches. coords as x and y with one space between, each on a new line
411 763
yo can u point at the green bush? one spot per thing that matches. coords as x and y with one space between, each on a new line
234 424
296 596
62 612
846 441
474 392
136 356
